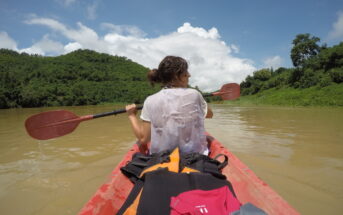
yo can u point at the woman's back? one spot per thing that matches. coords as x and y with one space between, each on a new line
177 119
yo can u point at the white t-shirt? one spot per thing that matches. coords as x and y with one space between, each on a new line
177 119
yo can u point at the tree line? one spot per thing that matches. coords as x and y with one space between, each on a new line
314 65
85 77
82 77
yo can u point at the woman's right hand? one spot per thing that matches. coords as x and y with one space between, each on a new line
131 109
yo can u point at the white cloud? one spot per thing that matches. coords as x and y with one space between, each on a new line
188 28
234 48
45 46
211 62
273 62
6 42
337 31
72 47
127 30
85 36
53 24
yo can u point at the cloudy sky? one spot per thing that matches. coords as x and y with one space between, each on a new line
223 40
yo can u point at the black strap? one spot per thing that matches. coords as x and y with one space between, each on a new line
224 163
132 196
139 162
204 163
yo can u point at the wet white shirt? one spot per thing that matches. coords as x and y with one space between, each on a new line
177 119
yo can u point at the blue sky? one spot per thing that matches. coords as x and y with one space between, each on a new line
223 40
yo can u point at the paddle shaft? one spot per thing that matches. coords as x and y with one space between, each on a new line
115 112
214 94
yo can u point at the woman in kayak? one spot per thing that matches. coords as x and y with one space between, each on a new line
174 116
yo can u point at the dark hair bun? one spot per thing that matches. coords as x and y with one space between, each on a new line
170 68
153 76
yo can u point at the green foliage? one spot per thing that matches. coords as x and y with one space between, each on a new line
304 47
331 58
336 74
331 95
317 79
321 70
83 77
259 81
295 76
263 74
327 59
309 78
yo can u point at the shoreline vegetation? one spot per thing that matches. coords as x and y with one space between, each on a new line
315 80
330 96
86 77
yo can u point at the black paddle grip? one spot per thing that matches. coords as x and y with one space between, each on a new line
115 112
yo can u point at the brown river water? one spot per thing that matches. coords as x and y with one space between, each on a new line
297 151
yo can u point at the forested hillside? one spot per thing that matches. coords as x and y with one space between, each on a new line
82 77
86 77
314 66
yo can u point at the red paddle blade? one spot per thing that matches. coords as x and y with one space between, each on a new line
51 124
230 91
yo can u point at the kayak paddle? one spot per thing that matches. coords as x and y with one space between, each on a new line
227 92
56 123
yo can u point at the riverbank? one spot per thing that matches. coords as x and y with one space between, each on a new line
331 95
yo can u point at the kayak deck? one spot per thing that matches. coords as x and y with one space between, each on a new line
248 187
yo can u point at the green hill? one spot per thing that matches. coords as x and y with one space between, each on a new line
82 77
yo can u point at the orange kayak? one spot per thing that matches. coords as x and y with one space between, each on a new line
248 187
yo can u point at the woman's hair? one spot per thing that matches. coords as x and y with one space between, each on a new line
170 68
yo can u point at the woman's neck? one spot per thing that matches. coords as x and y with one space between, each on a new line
173 86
